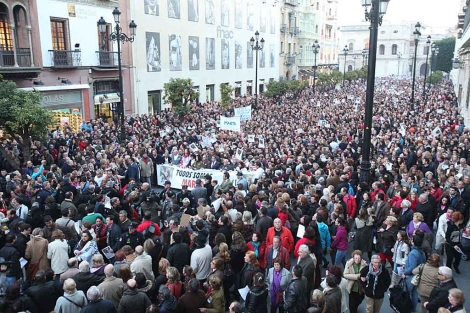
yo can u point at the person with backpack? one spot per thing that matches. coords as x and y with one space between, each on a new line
415 258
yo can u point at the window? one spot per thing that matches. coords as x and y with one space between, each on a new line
318 5
351 46
394 49
316 29
382 49
350 68
59 30
5 32
106 86
154 101
425 50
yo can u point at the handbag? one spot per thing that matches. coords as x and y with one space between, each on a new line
387 250
279 297
417 278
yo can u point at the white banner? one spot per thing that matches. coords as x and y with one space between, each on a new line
230 123
183 176
244 113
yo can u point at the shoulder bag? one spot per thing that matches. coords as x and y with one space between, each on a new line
417 278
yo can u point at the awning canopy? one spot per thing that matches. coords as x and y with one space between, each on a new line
107 98
309 72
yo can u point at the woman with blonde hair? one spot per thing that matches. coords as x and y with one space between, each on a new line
249 225
215 302
162 279
98 265
174 282
417 223
36 253
456 301
317 302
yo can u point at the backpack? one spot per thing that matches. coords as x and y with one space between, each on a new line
400 300
351 190
228 271
149 232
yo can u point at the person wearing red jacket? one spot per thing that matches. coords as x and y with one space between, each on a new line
284 233
146 223
375 190
309 236
351 205
258 246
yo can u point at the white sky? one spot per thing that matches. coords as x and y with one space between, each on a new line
433 13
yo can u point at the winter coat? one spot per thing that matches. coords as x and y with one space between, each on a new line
387 238
190 302
58 253
44 296
143 264
287 241
36 253
429 279
283 254
401 251
308 270
341 240
286 278
261 251
178 255
256 300
100 306
381 287
71 303
363 238
11 254
296 296
112 289
134 301
217 302
324 235
88 251
85 280
439 295
350 275
333 300
415 258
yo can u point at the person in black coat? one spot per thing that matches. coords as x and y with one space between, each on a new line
225 229
296 294
113 233
375 281
439 294
43 293
256 299
264 222
179 254
11 256
84 279
22 238
96 304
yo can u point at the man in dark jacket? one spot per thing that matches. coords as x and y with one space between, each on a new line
264 221
178 254
22 238
84 279
114 233
333 295
43 294
308 266
11 256
375 280
296 294
133 300
199 191
96 304
439 294
193 299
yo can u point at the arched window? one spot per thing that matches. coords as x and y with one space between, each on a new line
351 46
382 49
350 68
394 49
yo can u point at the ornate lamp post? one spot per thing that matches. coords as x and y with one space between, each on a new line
399 62
428 46
345 52
365 56
375 14
256 45
118 36
416 34
315 50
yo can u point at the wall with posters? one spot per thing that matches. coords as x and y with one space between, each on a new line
205 40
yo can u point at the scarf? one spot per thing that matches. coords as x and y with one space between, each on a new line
276 285
376 276
256 247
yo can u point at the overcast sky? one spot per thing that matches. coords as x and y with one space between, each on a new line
434 13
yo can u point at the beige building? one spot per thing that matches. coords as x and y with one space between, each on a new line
289 34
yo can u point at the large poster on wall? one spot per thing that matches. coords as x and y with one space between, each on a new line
152 7
249 55
193 52
175 52
238 14
225 54
210 12
250 17
271 55
238 55
262 59
153 52
225 12
193 10
174 9
210 53
182 176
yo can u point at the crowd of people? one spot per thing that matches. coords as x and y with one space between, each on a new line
85 228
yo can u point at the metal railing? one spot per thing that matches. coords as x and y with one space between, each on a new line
290 60
23 57
65 58
107 58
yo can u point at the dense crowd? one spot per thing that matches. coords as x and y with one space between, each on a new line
85 228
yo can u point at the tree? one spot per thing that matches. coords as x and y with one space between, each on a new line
350 76
276 89
296 87
23 118
443 61
336 77
435 77
225 94
180 92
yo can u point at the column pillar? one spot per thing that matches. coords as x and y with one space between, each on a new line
31 54
13 40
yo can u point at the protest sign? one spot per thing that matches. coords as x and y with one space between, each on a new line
230 123
244 113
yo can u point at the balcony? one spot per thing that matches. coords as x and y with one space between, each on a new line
290 60
107 59
23 68
292 2
296 31
65 58
283 28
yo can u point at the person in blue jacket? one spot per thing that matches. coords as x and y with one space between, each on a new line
325 238
416 257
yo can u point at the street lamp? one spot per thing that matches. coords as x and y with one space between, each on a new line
378 8
345 52
256 46
315 50
434 53
365 56
428 45
416 34
399 63
118 36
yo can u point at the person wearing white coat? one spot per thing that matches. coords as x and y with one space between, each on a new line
58 252
441 229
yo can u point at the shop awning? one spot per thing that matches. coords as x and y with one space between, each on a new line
107 98
309 72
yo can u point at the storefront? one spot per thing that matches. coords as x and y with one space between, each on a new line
107 106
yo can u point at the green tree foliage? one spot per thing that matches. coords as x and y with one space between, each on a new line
297 86
23 118
278 89
179 92
336 77
443 61
435 77
225 94
350 76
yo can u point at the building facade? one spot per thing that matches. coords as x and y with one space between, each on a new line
205 40
290 23
395 49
